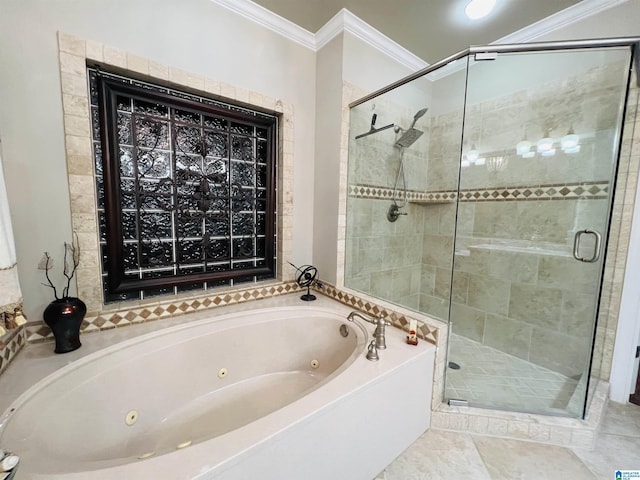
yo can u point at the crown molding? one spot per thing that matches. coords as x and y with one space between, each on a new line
260 15
345 21
563 18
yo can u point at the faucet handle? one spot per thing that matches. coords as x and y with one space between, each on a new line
372 353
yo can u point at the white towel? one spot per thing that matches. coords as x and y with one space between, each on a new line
7 246
10 292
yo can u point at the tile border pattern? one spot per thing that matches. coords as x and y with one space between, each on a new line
120 317
563 191
10 346
38 332
429 333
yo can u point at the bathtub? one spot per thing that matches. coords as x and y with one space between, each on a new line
272 393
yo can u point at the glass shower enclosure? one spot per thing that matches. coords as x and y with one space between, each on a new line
480 193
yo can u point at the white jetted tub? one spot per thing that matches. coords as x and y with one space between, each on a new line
271 393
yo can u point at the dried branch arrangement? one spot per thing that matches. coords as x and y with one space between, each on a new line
71 262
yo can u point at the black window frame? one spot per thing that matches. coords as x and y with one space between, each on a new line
109 86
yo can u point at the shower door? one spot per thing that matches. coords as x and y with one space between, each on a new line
539 159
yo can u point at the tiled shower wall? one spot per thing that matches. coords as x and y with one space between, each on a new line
383 258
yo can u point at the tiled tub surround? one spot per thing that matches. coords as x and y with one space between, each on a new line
132 313
406 418
10 345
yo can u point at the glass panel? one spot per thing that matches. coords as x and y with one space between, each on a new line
404 148
539 158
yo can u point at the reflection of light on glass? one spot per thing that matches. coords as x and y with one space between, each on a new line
548 153
476 9
481 161
496 164
473 154
465 163
544 145
523 148
575 149
570 143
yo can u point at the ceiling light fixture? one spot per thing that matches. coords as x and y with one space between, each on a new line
476 9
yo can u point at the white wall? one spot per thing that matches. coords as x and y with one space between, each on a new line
195 35
326 180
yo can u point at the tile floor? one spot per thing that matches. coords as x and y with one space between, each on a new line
440 454
491 377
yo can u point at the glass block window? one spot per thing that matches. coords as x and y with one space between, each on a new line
185 187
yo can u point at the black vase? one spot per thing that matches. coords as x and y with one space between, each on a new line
64 318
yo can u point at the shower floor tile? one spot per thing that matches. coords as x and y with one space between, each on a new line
491 378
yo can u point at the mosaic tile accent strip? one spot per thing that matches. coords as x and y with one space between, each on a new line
10 346
386 193
585 190
427 332
106 320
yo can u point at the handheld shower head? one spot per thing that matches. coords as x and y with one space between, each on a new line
418 114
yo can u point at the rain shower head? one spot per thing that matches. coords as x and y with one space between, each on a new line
410 135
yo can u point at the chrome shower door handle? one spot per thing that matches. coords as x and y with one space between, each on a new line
596 251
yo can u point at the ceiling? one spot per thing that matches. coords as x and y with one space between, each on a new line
430 29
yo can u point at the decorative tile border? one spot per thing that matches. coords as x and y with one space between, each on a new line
557 191
106 320
10 346
386 193
429 333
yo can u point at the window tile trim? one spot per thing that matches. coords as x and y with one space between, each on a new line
73 52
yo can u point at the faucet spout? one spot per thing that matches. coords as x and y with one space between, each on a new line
379 322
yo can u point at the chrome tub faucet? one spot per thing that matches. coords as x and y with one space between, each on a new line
379 322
